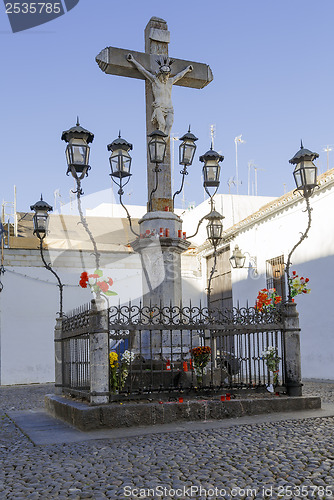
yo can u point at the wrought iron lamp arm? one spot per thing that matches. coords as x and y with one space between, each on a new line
183 173
85 225
303 236
198 226
2 271
49 268
156 170
202 219
211 276
121 192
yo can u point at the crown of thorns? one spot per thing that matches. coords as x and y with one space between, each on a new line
164 61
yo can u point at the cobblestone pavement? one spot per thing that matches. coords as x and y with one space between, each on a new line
289 459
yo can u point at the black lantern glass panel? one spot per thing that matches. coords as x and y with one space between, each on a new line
77 151
120 159
120 163
157 146
187 153
41 222
211 169
77 154
211 174
187 148
305 175
237 259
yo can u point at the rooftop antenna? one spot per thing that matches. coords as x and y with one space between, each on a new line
250 165
237 140
255 177
213 134
327 149
230 182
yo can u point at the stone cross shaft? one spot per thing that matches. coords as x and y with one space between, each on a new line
116 61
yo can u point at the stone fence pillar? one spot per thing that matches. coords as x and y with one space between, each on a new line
292 350
99 353
58 357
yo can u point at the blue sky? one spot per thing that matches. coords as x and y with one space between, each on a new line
273 83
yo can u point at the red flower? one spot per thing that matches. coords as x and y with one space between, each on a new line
93 276
83 280
110 281
103 286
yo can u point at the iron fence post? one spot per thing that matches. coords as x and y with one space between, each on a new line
292 350
58 356
99 353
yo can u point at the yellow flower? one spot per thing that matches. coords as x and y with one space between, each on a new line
113 359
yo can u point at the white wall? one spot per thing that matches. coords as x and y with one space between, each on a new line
30 300
314 259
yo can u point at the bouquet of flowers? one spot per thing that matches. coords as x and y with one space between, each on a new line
298 285
200 356
119 370
272 360
113 365
267 299
126 360
97 283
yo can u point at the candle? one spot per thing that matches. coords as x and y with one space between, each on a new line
179 233
184 236
185 366
168 365
222 398
228 397
180 400
161 232
190 364
167 232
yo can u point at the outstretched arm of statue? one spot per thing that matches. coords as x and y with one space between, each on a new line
140 68
180 75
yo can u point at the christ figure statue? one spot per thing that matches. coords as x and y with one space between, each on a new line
162 83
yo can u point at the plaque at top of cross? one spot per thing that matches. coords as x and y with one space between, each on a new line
160 74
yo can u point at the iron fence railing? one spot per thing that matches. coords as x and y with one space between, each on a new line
154 349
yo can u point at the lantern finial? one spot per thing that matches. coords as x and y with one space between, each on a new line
301 144
78 122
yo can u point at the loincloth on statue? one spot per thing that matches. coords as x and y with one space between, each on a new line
164 109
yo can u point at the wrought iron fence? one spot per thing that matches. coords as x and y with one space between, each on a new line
75 351
156 349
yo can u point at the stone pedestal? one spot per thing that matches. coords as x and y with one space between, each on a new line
99 354
160 248
292 350
161 257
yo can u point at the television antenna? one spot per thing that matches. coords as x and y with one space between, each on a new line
213 135
237 140
327 150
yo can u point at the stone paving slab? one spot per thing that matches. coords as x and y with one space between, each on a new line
43 429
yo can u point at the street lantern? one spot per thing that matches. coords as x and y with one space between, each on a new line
187 148
120 159
211 168
305 172
215 227
237 259
157 146
41 217
77 151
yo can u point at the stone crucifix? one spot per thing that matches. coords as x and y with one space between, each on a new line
160 74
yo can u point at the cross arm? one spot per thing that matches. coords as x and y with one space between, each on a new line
113 61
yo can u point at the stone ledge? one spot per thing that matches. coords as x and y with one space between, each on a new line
115 415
